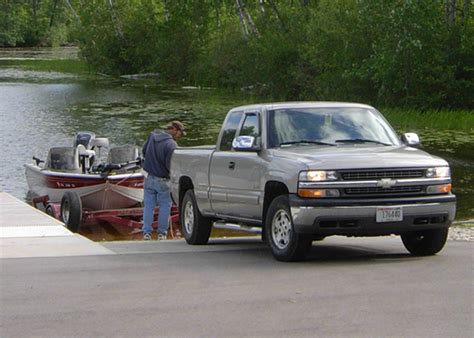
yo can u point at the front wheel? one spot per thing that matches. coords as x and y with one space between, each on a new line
425 242
285 244
196 227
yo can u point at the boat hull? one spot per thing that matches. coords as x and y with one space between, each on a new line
97 192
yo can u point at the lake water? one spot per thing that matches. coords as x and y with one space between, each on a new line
39 110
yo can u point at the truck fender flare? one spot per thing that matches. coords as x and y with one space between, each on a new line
273 189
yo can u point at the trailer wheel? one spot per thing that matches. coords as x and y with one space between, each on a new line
425 242
71 210
196 227
49 210
285 244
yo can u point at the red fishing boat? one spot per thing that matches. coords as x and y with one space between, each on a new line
78 186
114 184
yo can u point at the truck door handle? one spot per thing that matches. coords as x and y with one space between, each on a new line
231 165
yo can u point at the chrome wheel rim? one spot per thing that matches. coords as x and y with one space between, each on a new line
189 217
65 212
281 229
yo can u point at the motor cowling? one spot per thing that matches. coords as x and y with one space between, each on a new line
85 138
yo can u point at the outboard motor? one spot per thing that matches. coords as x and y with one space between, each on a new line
86 157
85 138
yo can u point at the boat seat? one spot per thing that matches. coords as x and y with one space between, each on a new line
63 159
121 154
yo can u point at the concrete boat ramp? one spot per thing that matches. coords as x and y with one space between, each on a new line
29 232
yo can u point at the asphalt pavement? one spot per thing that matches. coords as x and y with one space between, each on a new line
357 287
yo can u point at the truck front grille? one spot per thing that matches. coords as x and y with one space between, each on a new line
413 189
356 175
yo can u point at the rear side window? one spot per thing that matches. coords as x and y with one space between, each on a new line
230 128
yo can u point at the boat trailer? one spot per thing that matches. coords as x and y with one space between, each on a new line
74 216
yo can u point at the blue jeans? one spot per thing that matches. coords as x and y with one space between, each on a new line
156 191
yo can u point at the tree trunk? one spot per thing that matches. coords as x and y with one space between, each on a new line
277 12
53 12
34 7
116 22
465 11
218 14
74 13
261 4
242 18
248 27
450 12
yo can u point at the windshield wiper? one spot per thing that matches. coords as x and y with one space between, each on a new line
361 140
306 142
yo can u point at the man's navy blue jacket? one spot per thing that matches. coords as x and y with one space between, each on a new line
158 149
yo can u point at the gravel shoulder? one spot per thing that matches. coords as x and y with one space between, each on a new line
462 231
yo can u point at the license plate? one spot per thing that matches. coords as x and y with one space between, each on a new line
392 214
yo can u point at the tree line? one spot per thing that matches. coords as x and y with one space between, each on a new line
390 52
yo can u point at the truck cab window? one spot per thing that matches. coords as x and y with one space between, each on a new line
230 128
250 126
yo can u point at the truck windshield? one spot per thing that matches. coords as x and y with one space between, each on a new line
329 126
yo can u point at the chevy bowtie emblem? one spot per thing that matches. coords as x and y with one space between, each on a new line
386 183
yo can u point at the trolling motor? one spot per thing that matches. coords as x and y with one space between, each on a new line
105 168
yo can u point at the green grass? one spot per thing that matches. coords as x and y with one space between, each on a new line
62 66
409 119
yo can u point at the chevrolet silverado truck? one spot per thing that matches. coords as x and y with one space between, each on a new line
302 171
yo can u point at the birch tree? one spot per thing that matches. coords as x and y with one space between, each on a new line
248 26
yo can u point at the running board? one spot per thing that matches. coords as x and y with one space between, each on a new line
237 227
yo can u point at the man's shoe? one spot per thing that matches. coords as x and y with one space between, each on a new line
161 237
147 237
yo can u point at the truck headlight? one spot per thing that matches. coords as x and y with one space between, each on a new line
438 172
318 175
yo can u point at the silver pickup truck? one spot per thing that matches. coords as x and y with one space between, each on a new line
303 171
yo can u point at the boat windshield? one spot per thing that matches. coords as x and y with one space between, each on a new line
329 126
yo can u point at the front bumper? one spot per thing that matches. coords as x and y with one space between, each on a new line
354 217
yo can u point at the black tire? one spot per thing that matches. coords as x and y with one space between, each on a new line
425 242
285 244
71 210
196 227
49 210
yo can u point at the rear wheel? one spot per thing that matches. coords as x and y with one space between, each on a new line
425 242
49 210
285 244
196 227
71 210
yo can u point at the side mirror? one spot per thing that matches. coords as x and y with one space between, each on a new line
245 143
411 139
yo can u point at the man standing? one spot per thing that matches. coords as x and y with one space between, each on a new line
157 150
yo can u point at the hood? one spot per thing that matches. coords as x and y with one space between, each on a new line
359 156
160 135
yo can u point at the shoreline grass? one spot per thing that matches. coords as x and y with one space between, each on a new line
406 119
